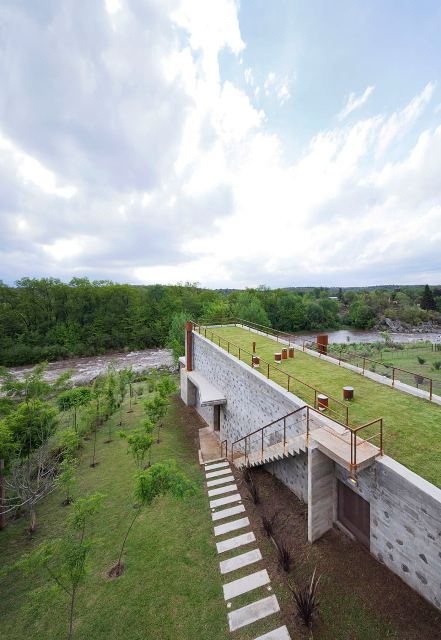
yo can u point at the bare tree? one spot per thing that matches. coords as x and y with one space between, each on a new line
29 481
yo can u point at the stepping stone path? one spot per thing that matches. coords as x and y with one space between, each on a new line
219 475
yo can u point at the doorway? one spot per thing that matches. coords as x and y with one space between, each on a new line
216 417
354 513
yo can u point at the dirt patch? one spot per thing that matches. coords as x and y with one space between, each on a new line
348 570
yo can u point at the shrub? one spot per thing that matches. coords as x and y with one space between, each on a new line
268 524
437 365
421 360
284 555
306 599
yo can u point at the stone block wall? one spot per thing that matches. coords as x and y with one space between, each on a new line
405 510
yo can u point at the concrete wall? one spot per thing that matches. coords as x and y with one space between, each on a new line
405 509
293 472
405 523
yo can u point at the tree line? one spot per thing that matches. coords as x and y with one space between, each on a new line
46 319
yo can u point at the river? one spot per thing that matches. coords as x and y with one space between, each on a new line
87 369
342 336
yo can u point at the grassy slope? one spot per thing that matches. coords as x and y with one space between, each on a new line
412 425
171 588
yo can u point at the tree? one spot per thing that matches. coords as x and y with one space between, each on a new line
139 442
158 480
249 308
31 424
66 479
361 315
63 561
427 300
73 399
155 409
176 335
29 481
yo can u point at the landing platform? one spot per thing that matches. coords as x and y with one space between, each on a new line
209 445
337 446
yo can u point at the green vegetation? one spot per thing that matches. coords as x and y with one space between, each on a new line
170 559
411 425
47 319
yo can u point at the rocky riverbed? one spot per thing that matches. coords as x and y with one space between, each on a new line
87 369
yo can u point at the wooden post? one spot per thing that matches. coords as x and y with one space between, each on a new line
322 343
254 347
189 345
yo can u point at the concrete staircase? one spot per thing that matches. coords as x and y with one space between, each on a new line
272 453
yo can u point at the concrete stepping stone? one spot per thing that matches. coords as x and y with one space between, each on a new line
231 526
216 474
228 488
242 560
226 513
253 612
237 541
248 583
214 483
227 500
281 633
218 465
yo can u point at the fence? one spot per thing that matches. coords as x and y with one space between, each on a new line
293 384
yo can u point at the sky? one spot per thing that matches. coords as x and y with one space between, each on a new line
282 142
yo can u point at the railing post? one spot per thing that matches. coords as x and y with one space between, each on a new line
228 346
381 436
347 416
430 392
262 446
284 433
315 398
288 381
307 426
246 455
268 372
364 363
393 376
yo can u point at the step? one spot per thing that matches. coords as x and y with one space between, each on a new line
216 474
242 560
253 612
281 633
233 525
214 483
248 583
226 513
227 500
218 465
228 488
237 541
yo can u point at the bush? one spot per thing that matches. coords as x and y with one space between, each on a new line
421 360
437 365
306 600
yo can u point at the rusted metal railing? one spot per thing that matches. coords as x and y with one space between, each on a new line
290 379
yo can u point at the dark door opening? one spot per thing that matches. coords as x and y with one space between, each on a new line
216 417
354 512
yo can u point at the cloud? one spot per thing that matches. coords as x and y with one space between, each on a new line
353 102
397 125
126 154
277 87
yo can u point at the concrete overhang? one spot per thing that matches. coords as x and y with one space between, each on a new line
209 395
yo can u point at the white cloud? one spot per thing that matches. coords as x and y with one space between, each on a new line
397 125
277 87
130 157
353 102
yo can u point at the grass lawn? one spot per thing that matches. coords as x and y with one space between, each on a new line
406 359
171 588
412 426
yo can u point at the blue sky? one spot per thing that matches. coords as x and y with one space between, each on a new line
232 144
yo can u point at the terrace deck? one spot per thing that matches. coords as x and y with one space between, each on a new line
412 426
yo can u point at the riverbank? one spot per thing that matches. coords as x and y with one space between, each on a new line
87 369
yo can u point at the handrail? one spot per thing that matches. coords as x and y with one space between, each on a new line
352 430
365 359
316 391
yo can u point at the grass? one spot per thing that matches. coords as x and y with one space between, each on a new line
171 588
412 426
